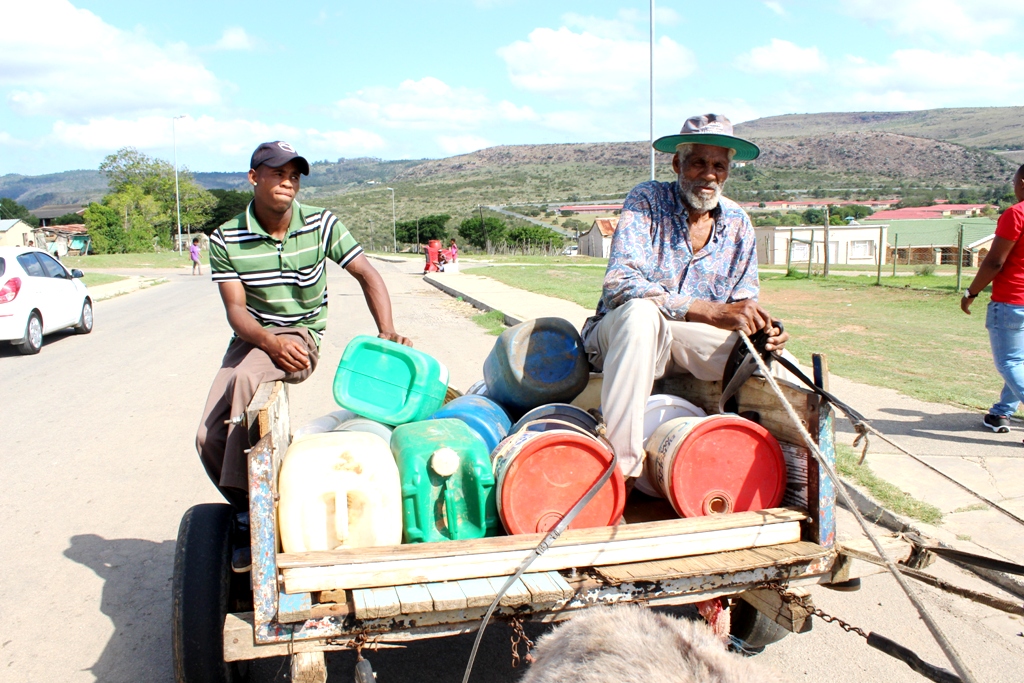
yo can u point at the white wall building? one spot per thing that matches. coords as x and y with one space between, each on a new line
852 244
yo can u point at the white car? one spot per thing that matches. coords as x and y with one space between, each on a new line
39 296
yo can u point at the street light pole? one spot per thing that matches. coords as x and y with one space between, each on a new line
652 89
177 196
394 223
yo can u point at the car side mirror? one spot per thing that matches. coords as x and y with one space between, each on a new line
77 273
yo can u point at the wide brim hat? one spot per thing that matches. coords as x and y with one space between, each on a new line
709 129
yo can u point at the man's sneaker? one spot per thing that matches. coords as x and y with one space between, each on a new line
997 423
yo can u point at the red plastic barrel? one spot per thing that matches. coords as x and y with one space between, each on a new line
716 465
540 475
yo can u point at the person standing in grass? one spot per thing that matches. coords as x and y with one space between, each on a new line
1003 267
193 253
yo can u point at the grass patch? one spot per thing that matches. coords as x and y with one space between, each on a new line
971 508
888 495
492 321
162 259
581 285
93 279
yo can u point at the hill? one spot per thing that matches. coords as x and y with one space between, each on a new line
995 128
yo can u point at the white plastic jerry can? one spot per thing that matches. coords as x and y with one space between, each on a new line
339 489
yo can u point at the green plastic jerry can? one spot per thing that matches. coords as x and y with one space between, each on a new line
388 382
447 482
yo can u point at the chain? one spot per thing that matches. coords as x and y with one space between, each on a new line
828 618
519 636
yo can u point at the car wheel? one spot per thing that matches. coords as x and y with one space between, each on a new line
33 340
84 325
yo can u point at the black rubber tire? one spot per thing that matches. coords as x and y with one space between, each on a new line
200 595
32 342
755 629
85 322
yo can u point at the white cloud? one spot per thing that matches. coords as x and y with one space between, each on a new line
461 144
234 137
428 104
628 23
961 20
920 79
235 38
782 57
775 7
590 68
84 67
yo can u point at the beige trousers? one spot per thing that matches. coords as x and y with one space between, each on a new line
222 445
634 345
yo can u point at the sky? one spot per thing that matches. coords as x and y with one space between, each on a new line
80 79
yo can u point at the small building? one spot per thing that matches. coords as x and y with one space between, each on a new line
936 240
930 212
598 240
853 244
15 232
47 213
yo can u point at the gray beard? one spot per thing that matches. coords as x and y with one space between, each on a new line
688 189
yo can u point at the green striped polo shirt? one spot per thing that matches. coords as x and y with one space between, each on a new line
285 280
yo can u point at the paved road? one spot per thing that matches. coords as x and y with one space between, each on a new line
98 467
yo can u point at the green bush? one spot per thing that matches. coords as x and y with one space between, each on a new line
926 269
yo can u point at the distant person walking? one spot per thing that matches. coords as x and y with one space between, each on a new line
454 249
1003 267
193 253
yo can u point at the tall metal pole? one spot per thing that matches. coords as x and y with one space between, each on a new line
881 254
652 89
810 254
824 270
959 257
483 229
895 252
417 234
177 196
394 223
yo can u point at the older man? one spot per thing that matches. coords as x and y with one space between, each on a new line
681 280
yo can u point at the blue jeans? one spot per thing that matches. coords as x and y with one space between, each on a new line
1005 324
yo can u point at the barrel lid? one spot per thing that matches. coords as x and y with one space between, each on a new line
548 474
661 408
727 464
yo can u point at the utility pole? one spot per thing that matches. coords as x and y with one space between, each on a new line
652 89
959 256
177 196
810 254
417 234
881 254
824 271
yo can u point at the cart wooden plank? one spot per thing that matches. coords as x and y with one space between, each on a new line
376 603
516 595
447 596
414 598
498 564
543 591
478 592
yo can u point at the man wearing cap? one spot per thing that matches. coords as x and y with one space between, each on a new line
269 263
681 280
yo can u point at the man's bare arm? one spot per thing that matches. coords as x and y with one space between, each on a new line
377 298
287 352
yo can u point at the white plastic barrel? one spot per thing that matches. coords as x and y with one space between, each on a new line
339 489
660 409
365 424
324 423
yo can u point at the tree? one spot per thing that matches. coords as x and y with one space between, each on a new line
813 217
473 231
67 219
129 166
432 227
11 209
229 204
526 236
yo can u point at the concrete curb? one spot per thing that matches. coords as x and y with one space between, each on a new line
510 320
132 284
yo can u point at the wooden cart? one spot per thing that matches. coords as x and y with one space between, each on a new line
306 604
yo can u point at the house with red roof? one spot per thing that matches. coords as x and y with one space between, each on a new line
936 211
598 240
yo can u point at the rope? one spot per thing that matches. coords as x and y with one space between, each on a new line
940 637
552 535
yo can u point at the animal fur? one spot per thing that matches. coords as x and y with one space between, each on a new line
630 643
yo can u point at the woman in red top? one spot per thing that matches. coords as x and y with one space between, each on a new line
1004 268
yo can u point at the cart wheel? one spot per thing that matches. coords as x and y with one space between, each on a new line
364 672
755 629
200 592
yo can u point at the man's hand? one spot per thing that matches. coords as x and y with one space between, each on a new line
965 304
776 338
395 337
288 352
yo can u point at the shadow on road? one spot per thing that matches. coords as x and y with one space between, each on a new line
959 428
7 349
137 599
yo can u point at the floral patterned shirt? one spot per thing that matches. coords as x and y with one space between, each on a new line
651 256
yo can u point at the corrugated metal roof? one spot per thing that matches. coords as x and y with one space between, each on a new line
606 226
8 223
